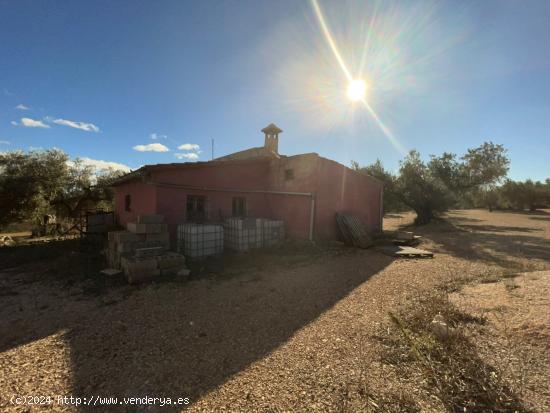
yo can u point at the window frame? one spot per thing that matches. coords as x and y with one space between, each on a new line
289 174
194 214
239 206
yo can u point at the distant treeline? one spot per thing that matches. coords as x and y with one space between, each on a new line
477 179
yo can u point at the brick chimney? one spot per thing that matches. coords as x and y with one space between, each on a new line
271 132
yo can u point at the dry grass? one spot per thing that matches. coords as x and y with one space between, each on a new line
291 329
448 367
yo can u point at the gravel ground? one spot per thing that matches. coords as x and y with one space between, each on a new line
275 331
517 334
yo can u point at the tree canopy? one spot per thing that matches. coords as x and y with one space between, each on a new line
432 187
37 183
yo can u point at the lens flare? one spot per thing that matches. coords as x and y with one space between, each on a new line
357 90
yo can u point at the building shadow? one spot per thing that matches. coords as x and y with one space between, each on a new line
185 339
491 244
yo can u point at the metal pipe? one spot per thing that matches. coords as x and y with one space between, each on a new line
311 217
381 208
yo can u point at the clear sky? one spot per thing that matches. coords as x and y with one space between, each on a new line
131 81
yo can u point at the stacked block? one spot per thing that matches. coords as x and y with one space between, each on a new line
142 251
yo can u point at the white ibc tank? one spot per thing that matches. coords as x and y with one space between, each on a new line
200 240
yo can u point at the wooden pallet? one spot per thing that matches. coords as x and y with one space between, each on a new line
404 251
405 242
353 230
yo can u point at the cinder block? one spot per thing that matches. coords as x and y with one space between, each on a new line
122 236
170 261
149 252
169 271
138 265
163 237
150 219
146 228
125 247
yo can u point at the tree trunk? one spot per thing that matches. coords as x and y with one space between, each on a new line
423 216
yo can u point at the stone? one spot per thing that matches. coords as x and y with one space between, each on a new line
439 328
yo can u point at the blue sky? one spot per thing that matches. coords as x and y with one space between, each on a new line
114 81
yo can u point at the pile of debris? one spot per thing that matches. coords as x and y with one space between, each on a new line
142 252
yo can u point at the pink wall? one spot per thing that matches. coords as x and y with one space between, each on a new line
143 201
336 188
342 189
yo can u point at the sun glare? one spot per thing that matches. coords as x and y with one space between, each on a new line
357 89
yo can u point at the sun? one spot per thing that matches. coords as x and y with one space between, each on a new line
357 89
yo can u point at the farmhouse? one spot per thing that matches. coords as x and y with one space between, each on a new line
305 191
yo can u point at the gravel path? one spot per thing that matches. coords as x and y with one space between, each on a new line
271 338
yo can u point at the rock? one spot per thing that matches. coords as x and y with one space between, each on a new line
439 328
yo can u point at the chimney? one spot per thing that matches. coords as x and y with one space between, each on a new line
271 132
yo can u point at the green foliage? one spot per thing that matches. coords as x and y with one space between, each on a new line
38 183
392 202
433 187
29 181
422 189
521 195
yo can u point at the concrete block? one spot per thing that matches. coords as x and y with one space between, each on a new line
138 265
169 271
125 247
150 219
136 228
163 237
122 236
171 260
148 252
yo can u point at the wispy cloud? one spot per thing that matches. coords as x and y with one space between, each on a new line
189 147
192 156
100 166
5 143
156 136
88 127
22 107
193 151
31 123
151 147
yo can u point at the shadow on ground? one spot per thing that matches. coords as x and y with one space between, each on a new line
185 339
492 244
